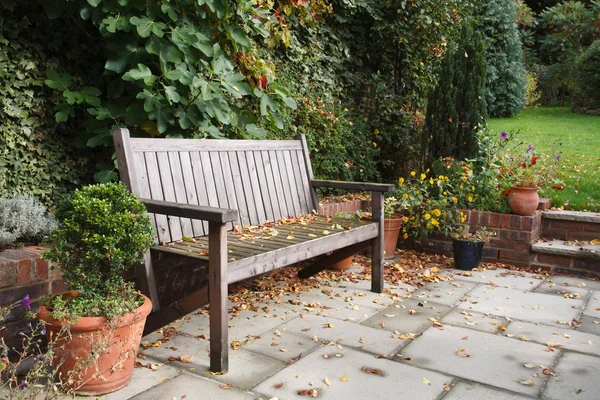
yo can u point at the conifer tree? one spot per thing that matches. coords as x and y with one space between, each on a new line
506 75
457 105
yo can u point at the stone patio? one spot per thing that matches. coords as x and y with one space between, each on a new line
492 334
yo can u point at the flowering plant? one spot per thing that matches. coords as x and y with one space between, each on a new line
429 202
480 235
524 166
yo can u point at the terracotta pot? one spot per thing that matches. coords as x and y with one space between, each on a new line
523 200
391 228
467 254
117 349
342 265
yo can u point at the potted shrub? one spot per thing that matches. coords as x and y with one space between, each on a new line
523 172
467 246
103 231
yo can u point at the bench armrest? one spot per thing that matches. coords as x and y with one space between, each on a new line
361 186
211 214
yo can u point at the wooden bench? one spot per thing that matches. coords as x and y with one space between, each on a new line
197 191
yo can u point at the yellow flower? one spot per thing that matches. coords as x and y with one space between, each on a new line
401 181
470 199
473 188
463 217
427 216
405 219
436 212
454 199
429 226
412 173
435 222
445 193
405 236
427 171
423 176
376 131
405 196
431 181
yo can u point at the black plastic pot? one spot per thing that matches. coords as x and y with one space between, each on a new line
467 254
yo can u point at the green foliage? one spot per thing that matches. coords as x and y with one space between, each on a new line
38 157
532 95
104 231
23 219
457 106
506 76
588 77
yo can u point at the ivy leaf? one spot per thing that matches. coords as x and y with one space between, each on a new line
58 81
172 95
145 26
239 37
142 72
63 112
165 50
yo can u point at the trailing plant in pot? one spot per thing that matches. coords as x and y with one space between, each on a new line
467 246
104 230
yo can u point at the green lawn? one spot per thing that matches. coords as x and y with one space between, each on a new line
580 135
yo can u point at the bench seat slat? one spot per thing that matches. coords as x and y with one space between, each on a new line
154 145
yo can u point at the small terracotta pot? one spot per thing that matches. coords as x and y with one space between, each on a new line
391 228
111 368
523 200
342 265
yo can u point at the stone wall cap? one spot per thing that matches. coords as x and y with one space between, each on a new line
573 216
568 248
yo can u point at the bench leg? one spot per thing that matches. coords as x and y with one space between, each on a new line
145 274
377 245
217 292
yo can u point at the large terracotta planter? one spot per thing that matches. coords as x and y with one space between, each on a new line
523 200
342 265
115 348
391 228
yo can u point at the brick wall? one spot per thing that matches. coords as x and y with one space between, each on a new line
570 230
351 206
23 272
511 245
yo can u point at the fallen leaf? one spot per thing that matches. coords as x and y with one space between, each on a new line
326 381
344 378
426 381
461 353
529 365
313 392
277 333
283 350
548 371
185 359
465 338
372 370
235 345
326 356
527 382
226 386
329 325
502 327
279 385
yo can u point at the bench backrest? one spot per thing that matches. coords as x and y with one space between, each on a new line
263 179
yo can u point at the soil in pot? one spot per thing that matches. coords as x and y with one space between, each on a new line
523 200
114 345
467 254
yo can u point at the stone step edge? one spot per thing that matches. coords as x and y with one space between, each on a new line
557 247
580 216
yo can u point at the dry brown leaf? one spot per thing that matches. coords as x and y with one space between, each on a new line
226 386
528 382
326 356
327 381
426 381
529 365
279 385
548 371
461 353
185 359
372 370
344 378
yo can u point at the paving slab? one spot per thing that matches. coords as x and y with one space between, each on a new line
398 381
561 285
568 338
142 380
408 316
589 325
475 391
523 305
499 277
360 296
577 378
376 341
592 308
248 322
246 369
328 304
193 388
475 320
493 359
562 290
447 293
282 347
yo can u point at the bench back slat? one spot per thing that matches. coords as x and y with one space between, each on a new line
263 179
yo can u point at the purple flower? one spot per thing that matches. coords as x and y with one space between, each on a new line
558 156
43 329
40 358
26 302
23 385
530 148
503 135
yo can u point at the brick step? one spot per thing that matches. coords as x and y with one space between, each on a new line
570 225
555 255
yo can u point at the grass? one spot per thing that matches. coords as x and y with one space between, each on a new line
580 135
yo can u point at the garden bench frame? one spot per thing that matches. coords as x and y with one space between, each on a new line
201 189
